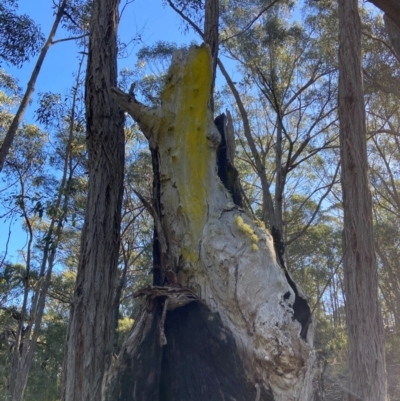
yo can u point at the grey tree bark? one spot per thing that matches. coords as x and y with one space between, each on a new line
211 25
223 321
88 344
394 34
367 375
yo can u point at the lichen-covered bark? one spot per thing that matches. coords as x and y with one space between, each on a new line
217 251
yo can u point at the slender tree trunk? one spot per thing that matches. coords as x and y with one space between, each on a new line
6 145
23 357
394 33
89 333
23 318
211 25
367 375
279 182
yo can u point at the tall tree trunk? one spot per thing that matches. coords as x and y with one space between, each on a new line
211 25
226 324
89 333
8 140
367 376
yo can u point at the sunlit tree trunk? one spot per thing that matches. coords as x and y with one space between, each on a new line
367 376
223 322
88 347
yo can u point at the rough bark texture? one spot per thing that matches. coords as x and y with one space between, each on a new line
389 7
394 34
226 260
367 380
211 25
88 338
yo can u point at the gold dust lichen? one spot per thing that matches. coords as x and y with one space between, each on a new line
190 123
248 231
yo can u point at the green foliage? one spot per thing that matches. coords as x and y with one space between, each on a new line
77 16
276 56
150 71
330 338
20 38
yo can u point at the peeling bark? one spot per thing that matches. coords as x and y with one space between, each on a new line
240 332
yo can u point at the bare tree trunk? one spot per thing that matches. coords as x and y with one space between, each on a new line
23 355
6 145
367 375
226 324
23 317
211 25
394 33
279 182
89 333
389 7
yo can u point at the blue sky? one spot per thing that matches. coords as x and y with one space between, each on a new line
149 17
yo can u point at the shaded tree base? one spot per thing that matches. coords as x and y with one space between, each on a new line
199 362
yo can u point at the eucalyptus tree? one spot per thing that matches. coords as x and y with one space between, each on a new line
198 228
292 78
367 371
20 37
88 348
7 142
205 295
44 382
382 77
45 205
383 130
64 9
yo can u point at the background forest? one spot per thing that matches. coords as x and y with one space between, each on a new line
278 78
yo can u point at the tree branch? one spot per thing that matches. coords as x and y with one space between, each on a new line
146 117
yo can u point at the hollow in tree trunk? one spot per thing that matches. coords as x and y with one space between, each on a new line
219 322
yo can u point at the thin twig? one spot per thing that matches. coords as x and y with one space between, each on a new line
249 25
68 39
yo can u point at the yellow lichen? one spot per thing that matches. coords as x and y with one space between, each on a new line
248 231
189 92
